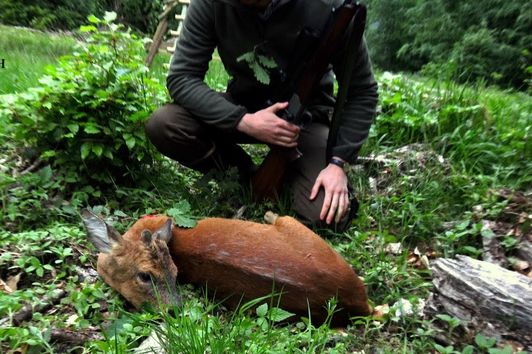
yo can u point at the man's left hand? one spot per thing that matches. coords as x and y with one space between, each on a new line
336 202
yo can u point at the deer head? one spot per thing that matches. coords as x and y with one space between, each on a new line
138 267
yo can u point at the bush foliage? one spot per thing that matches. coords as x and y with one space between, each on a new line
486 39
85 120
68 15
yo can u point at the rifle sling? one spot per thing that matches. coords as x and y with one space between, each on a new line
353 44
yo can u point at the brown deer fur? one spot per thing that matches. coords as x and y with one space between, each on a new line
243 260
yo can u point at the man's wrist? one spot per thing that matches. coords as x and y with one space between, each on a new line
337 162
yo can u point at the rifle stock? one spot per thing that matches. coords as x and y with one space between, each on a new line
267 181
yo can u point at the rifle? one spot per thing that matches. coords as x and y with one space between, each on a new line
267 181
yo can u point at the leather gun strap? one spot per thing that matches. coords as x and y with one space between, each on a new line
353 44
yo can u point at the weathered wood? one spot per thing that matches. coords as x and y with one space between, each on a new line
485 297
63 335
162 27
157 40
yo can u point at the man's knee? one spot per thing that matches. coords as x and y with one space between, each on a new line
176 133
310 210
162 123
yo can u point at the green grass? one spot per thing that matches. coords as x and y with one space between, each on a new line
27 53
471 141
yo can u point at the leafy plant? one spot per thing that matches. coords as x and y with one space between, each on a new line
85 120
88 112
270 315
67 15
260 64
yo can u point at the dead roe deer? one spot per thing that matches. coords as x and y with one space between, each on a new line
238 260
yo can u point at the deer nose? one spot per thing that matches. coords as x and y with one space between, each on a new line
173 298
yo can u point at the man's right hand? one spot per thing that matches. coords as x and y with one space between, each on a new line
266 126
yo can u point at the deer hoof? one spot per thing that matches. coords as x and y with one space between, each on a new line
270 217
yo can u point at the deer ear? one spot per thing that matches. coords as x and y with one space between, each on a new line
165 232
145 236
102 236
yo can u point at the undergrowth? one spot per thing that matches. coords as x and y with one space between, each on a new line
429 174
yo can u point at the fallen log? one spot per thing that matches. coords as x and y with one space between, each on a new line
487 299
78 338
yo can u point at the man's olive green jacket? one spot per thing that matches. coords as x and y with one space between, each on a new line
234 30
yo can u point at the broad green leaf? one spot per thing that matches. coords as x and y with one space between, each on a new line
260 73
89 28
248 57
74 128
97 149
184 221
468 350
487 233
45 173
109 16
183 205
262 310
138 116
180 214
278 314
85 150
484 342
102 94
93 19
506 350
108 153
267 62
130 141
91 129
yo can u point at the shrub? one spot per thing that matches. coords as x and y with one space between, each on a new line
475 128
141 15
86 118
484 39
42 14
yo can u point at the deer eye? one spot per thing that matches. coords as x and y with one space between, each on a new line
144 277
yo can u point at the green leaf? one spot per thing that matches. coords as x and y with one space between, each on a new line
262 310
109 16
138 116
85 150
45 173
97 149
506 350
278 314
184 221
89 28
468 350
261 74
102 94
180 214
267 62
484 342
74 128
444 317
108 153
444 350
93 19
91 129
130 141
248 57
487 233
39 272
